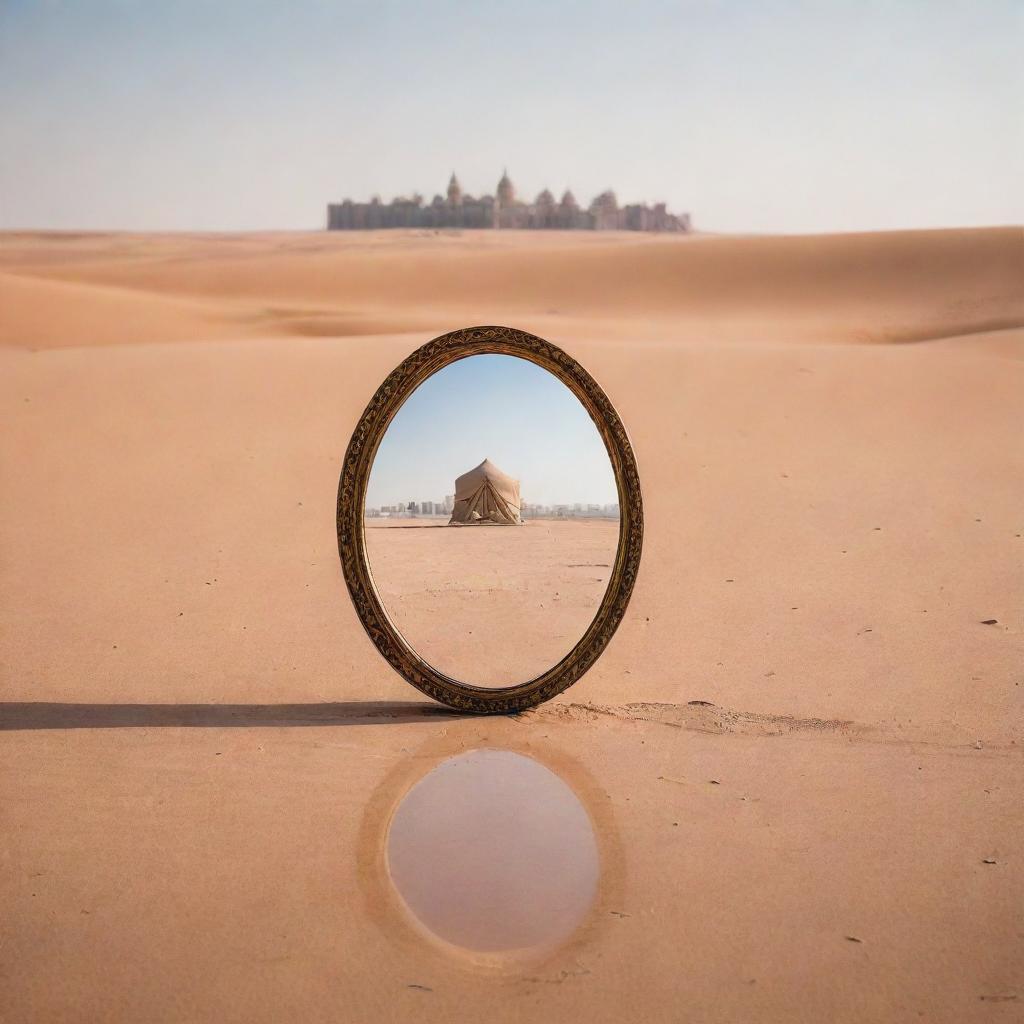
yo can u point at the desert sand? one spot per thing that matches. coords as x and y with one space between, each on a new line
451 591
801 752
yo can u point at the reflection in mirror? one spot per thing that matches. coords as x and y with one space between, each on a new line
493 852
492 520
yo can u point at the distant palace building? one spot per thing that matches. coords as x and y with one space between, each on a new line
503 210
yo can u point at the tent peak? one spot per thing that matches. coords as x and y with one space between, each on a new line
490 468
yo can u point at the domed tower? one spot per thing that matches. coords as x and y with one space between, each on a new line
544 210
506 193
454 191
605 211
568 211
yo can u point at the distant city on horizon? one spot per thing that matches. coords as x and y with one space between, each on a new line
503 210
528 510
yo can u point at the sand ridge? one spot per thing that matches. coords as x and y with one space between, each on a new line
891 286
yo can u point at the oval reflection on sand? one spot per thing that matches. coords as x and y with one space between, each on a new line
493 852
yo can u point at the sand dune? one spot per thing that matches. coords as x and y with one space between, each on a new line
897 286
831 572
39 312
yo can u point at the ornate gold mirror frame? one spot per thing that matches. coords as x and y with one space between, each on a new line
355 475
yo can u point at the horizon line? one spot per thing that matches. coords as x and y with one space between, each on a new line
703 231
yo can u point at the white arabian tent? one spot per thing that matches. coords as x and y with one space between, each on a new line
486 496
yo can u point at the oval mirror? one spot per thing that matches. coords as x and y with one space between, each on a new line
489 519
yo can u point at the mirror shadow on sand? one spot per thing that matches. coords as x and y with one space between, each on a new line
492 520
27 715
492 852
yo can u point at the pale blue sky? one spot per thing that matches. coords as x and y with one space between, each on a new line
501 408
764 115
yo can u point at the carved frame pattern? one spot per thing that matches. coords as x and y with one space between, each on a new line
355 474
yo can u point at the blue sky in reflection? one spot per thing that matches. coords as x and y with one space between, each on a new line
493 407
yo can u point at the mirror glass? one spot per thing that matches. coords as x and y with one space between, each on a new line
492 520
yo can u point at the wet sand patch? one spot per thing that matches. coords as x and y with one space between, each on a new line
492 852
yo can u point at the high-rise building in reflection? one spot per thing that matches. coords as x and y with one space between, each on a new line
529 510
